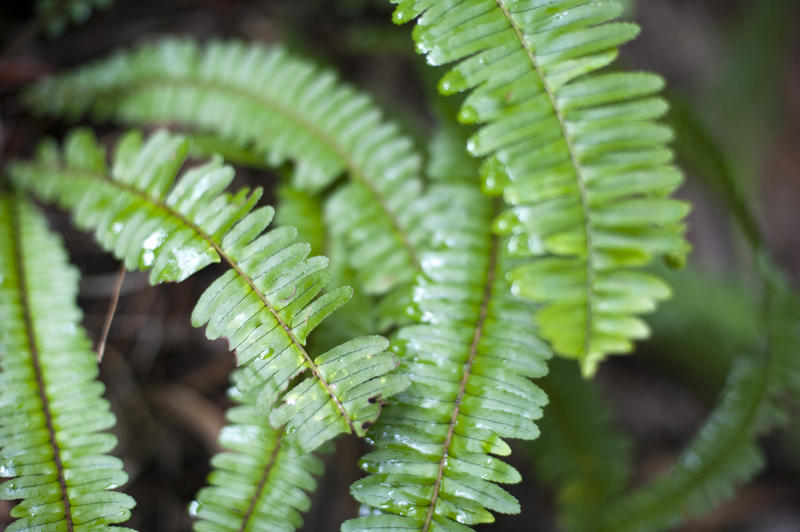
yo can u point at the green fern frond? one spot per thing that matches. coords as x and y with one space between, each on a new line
267 302
260 483
724 453
283 108
52 412
469 362
576 155
579 452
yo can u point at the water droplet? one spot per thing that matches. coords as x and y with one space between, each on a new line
467 115
148 258
154 240
413 312
401 16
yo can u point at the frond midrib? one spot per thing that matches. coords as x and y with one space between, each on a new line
22 282
310 364
491 269
573 157
356 172
261 483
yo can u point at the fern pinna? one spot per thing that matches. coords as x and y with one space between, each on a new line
576 155
52 412
265 304
283 108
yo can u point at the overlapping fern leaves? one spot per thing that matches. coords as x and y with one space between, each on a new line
469 361
576 155
283 108
52 414
265 304
359 317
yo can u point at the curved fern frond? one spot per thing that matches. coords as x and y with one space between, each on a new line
285 109
579 452
469 363
725 453
576 155
260 483
52 413
265 304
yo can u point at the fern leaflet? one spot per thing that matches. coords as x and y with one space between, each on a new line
576 156
52 412
265 304
469 362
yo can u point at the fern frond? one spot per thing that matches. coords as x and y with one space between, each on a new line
576 155
282 107
265 304
469 362
52 411
725 453
579 452
260 483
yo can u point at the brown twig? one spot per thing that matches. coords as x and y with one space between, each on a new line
112 308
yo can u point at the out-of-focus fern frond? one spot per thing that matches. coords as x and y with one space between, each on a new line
576 155
469 362
725 453
283 108
267 302
52 412
259 483
580 452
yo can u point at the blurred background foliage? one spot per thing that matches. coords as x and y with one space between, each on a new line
733 72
